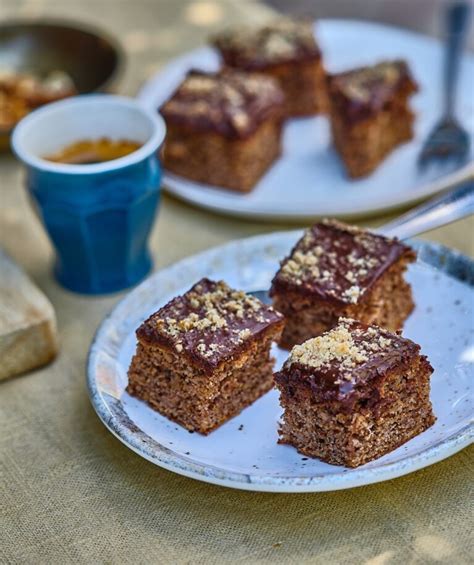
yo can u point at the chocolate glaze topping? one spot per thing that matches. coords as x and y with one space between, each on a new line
210 323
337 262
362 92
282 41
348 363
229 102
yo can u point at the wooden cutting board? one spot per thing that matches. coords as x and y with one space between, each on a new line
28 335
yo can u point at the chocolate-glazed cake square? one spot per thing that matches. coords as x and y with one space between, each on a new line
285 50
205 356
370 113
354 394
337 270
224 128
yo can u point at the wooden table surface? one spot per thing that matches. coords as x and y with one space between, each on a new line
72 493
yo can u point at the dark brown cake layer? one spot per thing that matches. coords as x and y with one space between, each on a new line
230 102
387 304
354 394
348 364
194 398
319 428
209 324
210 158
365 144
337 263
205 356
361 93
282 41
304 85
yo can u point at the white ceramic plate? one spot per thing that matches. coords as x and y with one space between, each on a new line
244 453
309 180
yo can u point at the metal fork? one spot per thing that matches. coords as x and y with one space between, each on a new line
449 142
450 206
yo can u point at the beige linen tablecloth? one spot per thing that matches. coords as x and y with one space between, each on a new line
71 493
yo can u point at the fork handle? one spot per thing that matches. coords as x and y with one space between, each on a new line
457 18
449 207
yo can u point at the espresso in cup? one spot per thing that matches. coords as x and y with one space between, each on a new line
89 151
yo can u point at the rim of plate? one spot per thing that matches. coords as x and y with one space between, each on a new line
164 457
192 193
352 211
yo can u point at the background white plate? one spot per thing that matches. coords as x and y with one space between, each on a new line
309 180
244 452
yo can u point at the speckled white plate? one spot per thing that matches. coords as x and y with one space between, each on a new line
244 452
308 180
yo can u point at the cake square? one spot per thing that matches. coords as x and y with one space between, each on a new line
337 270
205 356
354 394
370 113
223 128
285 50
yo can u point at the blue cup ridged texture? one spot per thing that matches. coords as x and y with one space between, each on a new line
99 223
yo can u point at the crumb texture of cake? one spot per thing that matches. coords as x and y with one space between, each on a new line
205 356
370 113
354 394
337 270
286 50
223 128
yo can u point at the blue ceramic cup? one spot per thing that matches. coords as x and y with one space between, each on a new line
98 216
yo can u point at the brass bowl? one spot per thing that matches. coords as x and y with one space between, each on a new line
89 56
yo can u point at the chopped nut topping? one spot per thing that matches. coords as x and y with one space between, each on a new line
353 364
359 84
213 308
196 84
352 294
210 320
240 120
337 261
345 347
229 101
282 40
350 276
335 345
244 334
